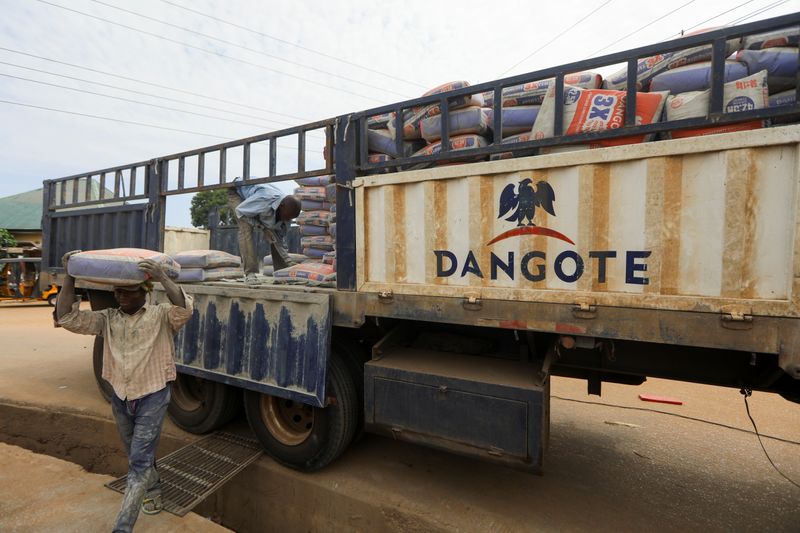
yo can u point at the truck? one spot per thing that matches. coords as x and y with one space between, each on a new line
673 258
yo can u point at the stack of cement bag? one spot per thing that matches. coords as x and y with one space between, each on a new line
117 266
208 265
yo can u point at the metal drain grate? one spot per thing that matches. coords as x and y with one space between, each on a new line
191 474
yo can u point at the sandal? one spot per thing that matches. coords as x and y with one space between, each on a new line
152 505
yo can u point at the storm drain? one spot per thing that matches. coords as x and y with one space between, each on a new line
191 474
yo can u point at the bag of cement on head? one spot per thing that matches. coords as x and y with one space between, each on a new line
649 67
206 259
516 120
780 64
695 77
587 110
117 266
210 274
771 39
741 95
533 92
462 122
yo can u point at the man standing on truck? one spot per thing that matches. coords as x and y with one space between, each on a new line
271 210
138 362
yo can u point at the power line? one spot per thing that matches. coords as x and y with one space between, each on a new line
261 52
84 91
756 12
637 30
143 93
551 40
152 84
682 32
301 47
111 119
210 52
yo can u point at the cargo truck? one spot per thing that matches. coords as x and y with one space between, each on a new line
676 259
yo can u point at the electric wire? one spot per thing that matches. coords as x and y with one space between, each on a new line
210 52
289 43
683 32
593 54
243 47
757 12
595 10
152 84
746 393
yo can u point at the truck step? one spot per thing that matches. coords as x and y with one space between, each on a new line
191 474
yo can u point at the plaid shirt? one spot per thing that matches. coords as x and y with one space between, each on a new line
138 355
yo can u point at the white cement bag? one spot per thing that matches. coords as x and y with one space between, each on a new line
771 39
117 266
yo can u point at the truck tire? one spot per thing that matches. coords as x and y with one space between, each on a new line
354 357
303 437
97 363
200 405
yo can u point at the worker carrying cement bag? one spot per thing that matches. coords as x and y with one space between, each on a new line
138 363
269 209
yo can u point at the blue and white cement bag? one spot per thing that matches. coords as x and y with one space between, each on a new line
771 39
462 122
315 181
117 266
533 93
206 259
297 258
210 274
382 142
516 120
784 98
461 142
694 77
780 64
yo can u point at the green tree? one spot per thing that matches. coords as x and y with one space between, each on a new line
6 239
203 202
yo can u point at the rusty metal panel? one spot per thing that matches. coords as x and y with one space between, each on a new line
682 225
271 341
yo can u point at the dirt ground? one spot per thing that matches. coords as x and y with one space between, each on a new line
614 463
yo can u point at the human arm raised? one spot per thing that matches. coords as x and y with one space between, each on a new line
158 273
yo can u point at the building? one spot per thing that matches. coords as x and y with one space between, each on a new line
21 215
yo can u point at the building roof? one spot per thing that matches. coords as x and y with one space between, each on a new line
22 211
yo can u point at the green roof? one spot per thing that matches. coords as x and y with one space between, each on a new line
22 211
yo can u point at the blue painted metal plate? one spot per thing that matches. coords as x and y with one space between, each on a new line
274 341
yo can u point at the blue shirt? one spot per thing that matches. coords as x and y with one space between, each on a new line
260 204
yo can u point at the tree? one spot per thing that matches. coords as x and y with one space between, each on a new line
6 239
202 204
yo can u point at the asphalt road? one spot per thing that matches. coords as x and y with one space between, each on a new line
614 463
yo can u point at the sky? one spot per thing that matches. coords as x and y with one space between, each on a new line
258 66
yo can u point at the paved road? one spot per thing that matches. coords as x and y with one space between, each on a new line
614 463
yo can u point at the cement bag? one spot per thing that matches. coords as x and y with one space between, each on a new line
511 139
741 95
297 258
378 158
771 39
315 253
785 98
314 218
314 181
330 193
378 122
515 119
533 92
381 141
315 194
587 110
780 64
117 266
462 122
323 242
210 274
461 142
206 259
650 67
695 77
314 205
268 270
305 229
329 259
307 272
412 117
332 231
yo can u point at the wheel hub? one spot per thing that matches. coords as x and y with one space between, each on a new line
290 422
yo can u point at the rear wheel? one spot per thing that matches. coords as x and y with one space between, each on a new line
301 436
97 362
199 405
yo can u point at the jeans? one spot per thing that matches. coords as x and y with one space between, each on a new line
139 424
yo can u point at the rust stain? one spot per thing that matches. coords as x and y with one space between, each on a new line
439 224
671 225
367 233
600 203
654 221
388 231
513 324
398 207
569 328
741 198
475 220
487 207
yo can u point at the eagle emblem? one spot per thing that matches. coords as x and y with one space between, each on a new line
526 200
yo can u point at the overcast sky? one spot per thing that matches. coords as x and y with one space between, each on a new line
286 63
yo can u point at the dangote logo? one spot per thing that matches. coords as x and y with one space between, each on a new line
568 266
